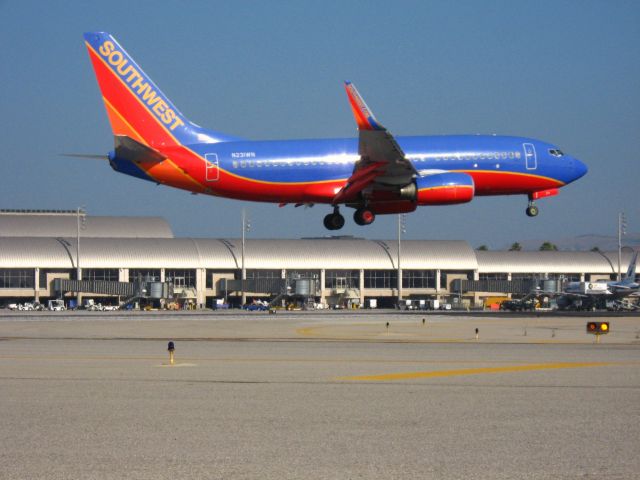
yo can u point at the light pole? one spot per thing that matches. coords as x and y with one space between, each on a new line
80 223
401 229
246 226
622 230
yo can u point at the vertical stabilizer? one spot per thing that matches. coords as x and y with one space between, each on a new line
631 271
136 107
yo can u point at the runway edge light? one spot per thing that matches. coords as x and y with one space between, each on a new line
171 348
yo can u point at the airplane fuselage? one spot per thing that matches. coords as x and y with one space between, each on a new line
376 173
313 171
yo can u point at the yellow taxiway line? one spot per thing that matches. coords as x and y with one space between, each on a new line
470 371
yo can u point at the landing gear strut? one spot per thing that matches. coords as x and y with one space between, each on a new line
364 216
532 210
334 221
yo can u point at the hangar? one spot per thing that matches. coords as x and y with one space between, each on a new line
39 246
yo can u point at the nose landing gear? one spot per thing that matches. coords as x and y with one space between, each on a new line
532 210
334 221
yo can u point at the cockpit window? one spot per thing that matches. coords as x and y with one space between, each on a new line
556 152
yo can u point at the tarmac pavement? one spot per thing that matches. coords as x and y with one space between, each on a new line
317 396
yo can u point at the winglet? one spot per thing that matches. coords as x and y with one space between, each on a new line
363 115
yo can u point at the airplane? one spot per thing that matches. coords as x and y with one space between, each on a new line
623 288
375 174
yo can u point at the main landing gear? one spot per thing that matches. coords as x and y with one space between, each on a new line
334 221
364 216
532 210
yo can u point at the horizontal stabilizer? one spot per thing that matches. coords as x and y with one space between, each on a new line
89 156
129 149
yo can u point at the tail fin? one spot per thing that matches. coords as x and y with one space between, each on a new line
135 105
631 271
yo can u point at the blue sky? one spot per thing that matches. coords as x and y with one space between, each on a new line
567 72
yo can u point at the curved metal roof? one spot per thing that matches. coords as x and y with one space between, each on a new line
34 225
44 252
305 254
349 253
550 262
335 254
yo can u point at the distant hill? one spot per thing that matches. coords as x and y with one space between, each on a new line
581 242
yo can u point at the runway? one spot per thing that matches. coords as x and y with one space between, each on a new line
299 396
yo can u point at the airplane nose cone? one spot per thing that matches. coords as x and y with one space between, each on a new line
579 169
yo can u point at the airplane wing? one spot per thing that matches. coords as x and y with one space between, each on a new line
573 294
382 165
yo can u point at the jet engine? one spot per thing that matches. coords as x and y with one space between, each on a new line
445 188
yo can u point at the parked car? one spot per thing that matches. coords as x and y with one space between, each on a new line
255 307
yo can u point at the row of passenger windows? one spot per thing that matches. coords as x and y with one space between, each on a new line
471 156
437 157
281 163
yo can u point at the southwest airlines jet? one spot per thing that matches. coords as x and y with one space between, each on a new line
376 174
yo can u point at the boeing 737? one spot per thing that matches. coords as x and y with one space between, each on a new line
623 288
375 174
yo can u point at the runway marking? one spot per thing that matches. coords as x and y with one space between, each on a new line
177 365
471 371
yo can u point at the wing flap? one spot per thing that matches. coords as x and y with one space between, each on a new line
356 183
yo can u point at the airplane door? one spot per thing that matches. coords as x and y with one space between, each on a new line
530 158
212 173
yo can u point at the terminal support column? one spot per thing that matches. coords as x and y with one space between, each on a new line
322 290
201 282
36 285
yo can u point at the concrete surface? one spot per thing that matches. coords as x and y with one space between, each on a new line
317 397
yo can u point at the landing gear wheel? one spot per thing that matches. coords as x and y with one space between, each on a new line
364 216
334 221
532 211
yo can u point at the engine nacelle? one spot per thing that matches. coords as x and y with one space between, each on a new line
445 188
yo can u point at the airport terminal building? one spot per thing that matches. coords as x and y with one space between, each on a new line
38 248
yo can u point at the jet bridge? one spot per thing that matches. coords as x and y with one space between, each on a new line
129 290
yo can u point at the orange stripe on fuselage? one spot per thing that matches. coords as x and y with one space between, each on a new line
509 183
167 172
